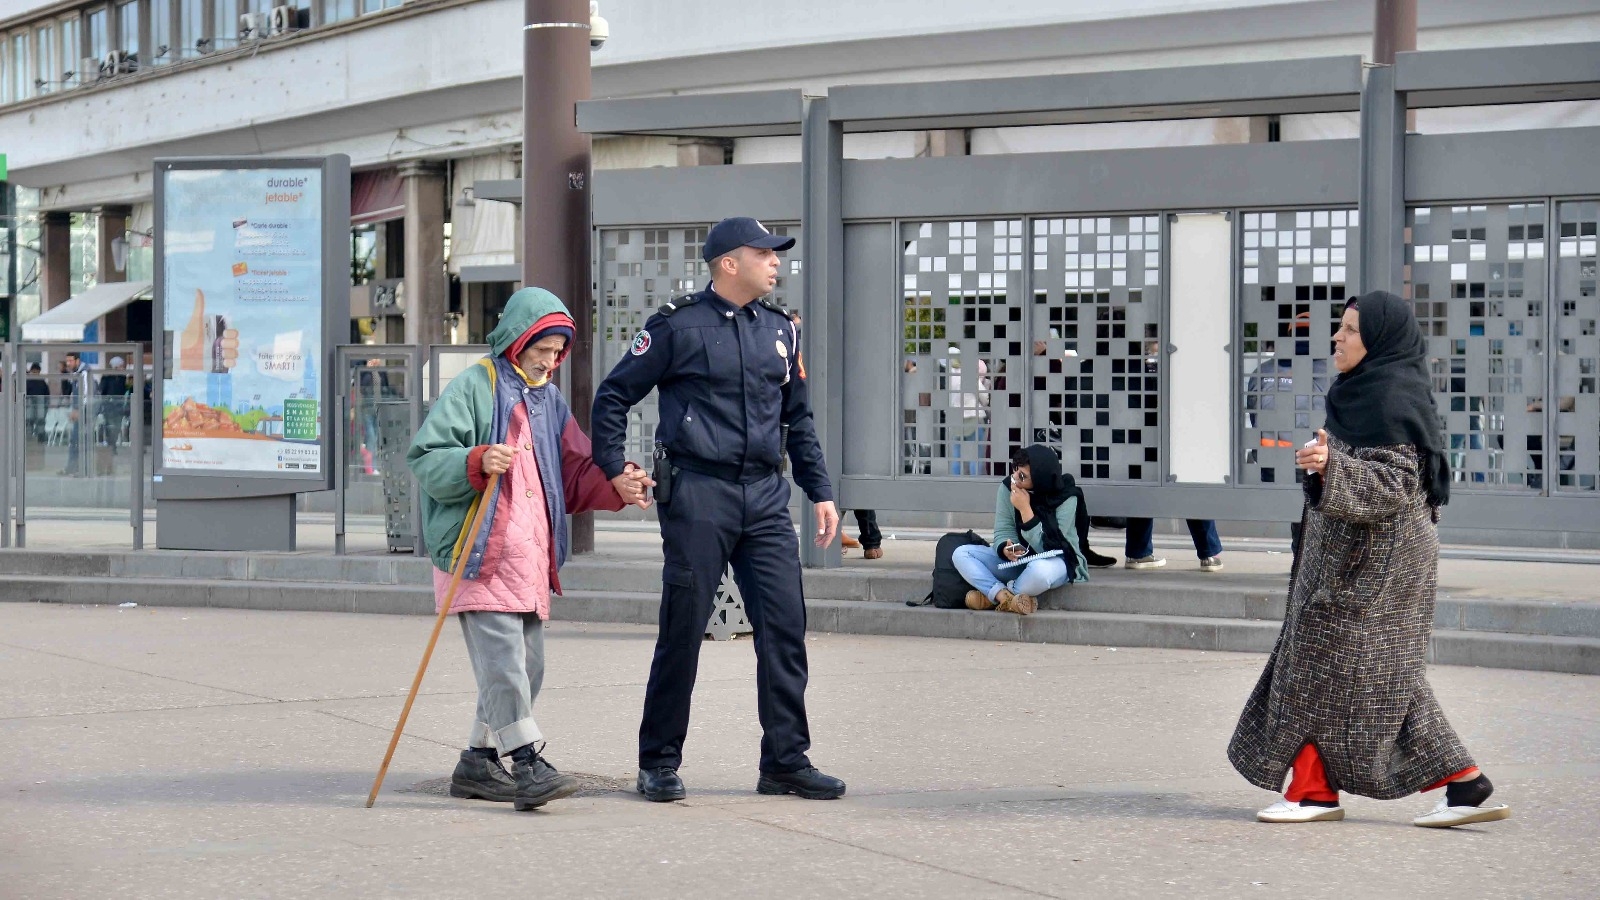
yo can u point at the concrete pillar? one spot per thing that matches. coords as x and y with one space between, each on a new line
55 275
113 225
558 168
702 152
426 291
516 172
946 142
1383 182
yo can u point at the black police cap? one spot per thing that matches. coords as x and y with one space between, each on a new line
741 231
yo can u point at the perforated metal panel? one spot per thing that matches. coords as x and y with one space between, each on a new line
1477 277
640 270
962 345
1296 270
728 617
1577 347
1095 348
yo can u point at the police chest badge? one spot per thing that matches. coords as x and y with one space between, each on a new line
641 343
783 351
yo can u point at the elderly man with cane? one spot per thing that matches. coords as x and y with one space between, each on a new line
500 449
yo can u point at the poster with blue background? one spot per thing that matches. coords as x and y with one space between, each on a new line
243 320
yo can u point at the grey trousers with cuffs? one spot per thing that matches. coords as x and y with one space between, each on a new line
507 653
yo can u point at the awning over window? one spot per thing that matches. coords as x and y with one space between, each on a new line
66 322
376 196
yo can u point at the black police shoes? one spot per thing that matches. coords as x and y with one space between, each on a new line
538 783
479 776
661 784
807 783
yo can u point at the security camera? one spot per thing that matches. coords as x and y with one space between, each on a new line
599 28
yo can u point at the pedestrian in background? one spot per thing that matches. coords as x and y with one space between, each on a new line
871 542
1344 703
1140 549
113 390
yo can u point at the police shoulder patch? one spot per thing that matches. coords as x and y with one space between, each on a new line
641 343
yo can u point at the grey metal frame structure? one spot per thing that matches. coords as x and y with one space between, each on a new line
13 489
344 354
852 212
437 352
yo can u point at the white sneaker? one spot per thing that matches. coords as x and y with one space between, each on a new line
1145 562
1446 816
1285 811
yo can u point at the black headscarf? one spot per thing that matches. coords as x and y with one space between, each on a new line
1387 398
1051 488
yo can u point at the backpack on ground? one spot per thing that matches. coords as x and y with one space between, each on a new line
949 588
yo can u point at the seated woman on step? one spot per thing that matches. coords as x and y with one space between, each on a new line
1036 512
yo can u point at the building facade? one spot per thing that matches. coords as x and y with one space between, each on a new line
1040 340
425 98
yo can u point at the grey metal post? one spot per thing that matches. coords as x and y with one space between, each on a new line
14 447
822 168
136 411
18 488
1383 195
341 471
555 188
414 399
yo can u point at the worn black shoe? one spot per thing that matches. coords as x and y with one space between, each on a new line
479 776
661 784
538 783
807 783
1098 560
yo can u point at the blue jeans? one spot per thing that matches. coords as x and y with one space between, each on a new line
1202 531
980 566
967 450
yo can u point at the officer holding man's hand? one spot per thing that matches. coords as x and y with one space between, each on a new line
726 365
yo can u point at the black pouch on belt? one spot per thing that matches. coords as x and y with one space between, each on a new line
662 474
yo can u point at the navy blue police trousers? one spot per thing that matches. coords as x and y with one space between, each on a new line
706 524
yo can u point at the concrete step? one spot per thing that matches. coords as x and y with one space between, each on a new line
1242 597
221 593
1181 594
1553 653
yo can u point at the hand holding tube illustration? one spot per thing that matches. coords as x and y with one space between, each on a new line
207 344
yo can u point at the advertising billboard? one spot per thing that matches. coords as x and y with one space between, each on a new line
242 319
252 282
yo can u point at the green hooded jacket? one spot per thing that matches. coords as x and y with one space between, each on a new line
463 418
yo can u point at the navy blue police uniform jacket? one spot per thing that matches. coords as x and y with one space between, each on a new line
728 378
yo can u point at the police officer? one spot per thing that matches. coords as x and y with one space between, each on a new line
726 365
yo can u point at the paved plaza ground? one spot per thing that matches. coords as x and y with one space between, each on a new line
155 753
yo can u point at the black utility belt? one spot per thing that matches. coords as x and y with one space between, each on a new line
666 461
721 471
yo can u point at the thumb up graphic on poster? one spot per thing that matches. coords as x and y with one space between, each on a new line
207 345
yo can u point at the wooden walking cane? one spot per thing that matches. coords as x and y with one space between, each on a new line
438 625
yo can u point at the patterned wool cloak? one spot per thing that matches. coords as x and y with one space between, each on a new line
1348 671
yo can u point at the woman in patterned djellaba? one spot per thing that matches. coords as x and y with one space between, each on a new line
1344 703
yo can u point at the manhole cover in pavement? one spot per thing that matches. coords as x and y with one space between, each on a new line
592 786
